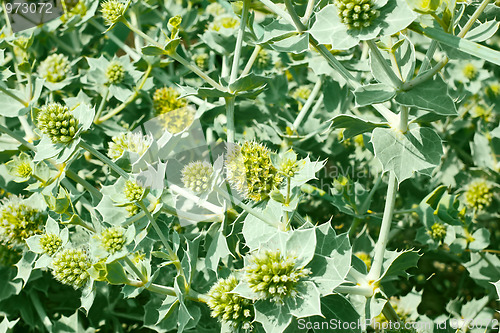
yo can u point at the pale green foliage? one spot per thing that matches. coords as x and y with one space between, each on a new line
274 275
229 307
131 142
250 172
50 243
70 267
57 122
196 176
55 68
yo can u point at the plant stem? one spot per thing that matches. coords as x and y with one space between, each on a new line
130 52
159 289
75 177
239 42
40 310
428 56
251 60
425 76
276 9
136 270
309 102
382 241
207 205
473 18
308 13
381 60
355 290
13 96
287 202
102 104
403 119
230 103
104 159
17 137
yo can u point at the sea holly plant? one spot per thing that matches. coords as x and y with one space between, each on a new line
251 166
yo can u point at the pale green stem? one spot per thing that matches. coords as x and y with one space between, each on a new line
6 17
296 19
287 202
403 119
130 52
75 177
309 102
17 137
245 207
136 270
239 42
135 21
230 102
104 159
191 196
473 18
382 241
354 290
381 60
129 100
357 276
428 56
156 288
29 134
309 11
8 93
426 76
47 323
251 60
102 104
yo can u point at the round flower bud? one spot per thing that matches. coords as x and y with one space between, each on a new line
438 231
55 68
19 221
166 100
224 22
50 244
230 308
264 60
177 120
196 176
274 275
479 194
74 8
250 171
133 192
115 73
112 11
470 71
70 267
113 239
58 123
356 14
131 142
132 209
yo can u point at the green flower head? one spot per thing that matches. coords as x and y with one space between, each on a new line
70 267
224 22
215 9
132 209
470 71
50 243
438 231
479 194
250 171
113 239
112 11
115 73
177 120
21 166
19 221
74 8
201 60
58 123
128 141
264 60
196 176
274 275
228 307
133 191
55 68
166 100
356 14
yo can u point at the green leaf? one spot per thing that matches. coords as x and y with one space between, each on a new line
336 310
6 325
9 106
418 150
354 125
373 94
497 287
482 153
332 259
217 247
431 95
483 31
25 266
116 274
462 44
151 50
484 268
248 82
307 303
274 317
396 263
481 239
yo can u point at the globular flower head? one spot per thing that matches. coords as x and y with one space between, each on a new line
115 72
113 239
274 275
250 171
50 243
470 71
201 60
132 209
264 60
357 14
177 120
224 22
228 307
55 68
166 100
19 221
131 142
58 123
133 191
438 231
215 9
74 8
21 166
112 11
196 176
70 267
479 194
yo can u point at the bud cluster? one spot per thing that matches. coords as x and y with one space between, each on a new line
479 194
70 267
50 243
19 221
166 100
115 72
357 14
196 176
113 239
132 142
55 68
133 192
57 122
438 231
